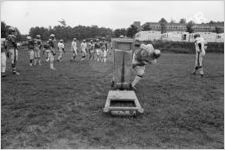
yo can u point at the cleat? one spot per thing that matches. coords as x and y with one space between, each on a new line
202 75
52 68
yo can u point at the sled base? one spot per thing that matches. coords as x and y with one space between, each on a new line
122 103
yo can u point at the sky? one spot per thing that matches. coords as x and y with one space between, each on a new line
111 14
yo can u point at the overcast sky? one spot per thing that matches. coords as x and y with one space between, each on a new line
112 14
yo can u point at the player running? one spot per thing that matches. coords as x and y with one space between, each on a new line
200 53
61 50
143 55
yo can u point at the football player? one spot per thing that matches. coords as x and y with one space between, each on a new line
74 48
143 55
30 45
61 50
3 56
83 49
12 48
200 53
51 51
104 48
37 50
98 50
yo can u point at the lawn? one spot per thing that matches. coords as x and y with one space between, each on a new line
63 108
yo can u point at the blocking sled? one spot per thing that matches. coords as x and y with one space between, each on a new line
121 100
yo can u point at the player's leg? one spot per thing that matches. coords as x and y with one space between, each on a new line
3 63
51 60
39 56
14 59
196 64
201 66
140 70
35 57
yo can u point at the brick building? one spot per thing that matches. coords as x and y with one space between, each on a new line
155 26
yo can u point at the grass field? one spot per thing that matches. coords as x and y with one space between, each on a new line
63 108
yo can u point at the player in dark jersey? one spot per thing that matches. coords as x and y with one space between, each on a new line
12 48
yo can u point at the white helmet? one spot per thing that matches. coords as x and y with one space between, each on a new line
156 53
52 35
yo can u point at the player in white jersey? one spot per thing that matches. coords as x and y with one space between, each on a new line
200 53
37 50
143 55
83 49
3 56
61 50
74 49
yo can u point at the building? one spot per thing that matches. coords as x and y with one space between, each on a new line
155 26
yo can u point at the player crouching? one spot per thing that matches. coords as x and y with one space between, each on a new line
143 55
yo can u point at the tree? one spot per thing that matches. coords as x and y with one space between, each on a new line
172 21
190 26
119 32
218 30
131 31
163 23
4 29
146 27
182 21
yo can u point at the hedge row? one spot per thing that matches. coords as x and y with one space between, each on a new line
186 47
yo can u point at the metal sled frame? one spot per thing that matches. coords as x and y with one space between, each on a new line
122 96
121 92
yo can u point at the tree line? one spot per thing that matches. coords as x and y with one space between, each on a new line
80 32
68 33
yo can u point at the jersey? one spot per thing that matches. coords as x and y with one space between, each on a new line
103 45
143 55
97 45
74 45
51 44
37 43
30 44
11 41
83 46
200 45
61 46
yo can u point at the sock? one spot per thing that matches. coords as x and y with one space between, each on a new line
3 69
136 80
51 65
